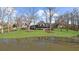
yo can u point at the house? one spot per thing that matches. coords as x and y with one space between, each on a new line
1 26
42 25
61 23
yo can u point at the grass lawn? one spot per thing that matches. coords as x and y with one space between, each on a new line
36 33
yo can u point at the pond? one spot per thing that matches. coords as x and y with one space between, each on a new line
40 44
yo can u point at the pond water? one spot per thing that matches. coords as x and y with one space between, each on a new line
40 43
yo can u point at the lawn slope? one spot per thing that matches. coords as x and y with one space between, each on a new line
37 33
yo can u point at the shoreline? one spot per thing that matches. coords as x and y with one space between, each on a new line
43 37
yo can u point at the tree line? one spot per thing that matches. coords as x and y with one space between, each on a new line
71 19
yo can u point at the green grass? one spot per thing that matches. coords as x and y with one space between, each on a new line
36 33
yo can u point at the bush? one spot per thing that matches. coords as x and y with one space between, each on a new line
14 25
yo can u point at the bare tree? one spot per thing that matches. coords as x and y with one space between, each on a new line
2 16
31 17
46 15
75 15
66 19
51 11
18 22
9 13
34 16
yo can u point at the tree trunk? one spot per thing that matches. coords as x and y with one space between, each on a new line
2 31
50 18
8 28
67 24
29 28
34 25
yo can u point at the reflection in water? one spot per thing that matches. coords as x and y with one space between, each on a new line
31 43
6 41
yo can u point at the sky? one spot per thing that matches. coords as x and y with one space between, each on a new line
59 10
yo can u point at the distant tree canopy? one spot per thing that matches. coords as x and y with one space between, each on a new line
8 16
71 19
